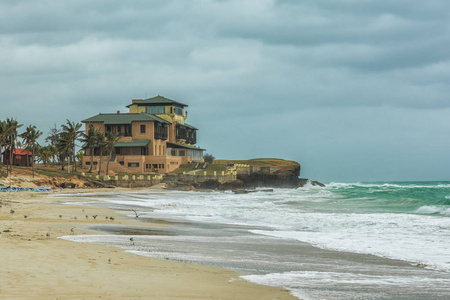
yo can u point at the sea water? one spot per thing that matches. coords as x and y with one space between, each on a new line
388 240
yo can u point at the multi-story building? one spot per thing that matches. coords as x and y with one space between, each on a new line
154 137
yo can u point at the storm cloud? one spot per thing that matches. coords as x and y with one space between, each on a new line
353 90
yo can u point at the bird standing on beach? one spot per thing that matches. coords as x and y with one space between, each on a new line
132 241
72 230
12 211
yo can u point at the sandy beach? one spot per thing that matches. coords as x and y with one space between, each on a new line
38 265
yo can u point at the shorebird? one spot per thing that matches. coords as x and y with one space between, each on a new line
12 211
47 234
111 218
25 216
60 216
132 241
87 216
72 230
94 216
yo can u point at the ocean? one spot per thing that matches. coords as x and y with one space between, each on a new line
380 240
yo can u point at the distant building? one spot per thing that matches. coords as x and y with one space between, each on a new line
154 137
21 157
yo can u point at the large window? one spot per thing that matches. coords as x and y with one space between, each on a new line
178 110
161 131
185 133
121 130
155 109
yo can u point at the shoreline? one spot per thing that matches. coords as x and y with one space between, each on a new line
39 264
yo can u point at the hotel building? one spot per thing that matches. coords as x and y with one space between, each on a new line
154 137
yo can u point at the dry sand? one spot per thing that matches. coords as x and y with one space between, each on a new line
35 264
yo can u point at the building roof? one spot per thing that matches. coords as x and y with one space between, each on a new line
18 151
188 126
158 100
173 145
110 119
133 143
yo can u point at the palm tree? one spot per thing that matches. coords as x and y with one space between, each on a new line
26 140
90 142
46 154
32 137
111 139
12 125
63 148
4 131
101 146
72 134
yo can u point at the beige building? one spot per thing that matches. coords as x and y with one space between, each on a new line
154 137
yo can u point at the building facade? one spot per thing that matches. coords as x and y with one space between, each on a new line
154 137
21 157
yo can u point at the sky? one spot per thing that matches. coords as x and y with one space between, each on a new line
354 90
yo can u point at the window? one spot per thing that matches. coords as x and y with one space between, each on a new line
155 109
178 110
88 163
161 131
144 151
122 130
182 153
142 128
133 165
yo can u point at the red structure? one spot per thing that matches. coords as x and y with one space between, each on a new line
20 157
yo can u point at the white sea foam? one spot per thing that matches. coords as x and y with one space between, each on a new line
413 238
299 283
308 215
335 185
434 209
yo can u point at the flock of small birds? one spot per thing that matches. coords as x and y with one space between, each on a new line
72 230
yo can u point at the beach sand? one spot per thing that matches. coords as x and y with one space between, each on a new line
35 264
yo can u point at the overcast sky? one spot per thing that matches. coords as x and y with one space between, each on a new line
354 90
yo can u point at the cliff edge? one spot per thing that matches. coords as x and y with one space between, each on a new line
241 174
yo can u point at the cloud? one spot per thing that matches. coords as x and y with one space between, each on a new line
243 62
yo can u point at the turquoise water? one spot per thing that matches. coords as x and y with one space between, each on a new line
396 197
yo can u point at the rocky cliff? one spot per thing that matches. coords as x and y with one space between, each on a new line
249 174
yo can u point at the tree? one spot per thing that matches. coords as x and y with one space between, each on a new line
46 154
32 136
101 146
26 139
111 139
71 133
209 158
54 139
12 126
90 141
4 132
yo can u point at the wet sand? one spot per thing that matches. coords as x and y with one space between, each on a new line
38 265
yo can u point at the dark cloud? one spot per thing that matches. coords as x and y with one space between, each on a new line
266 66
